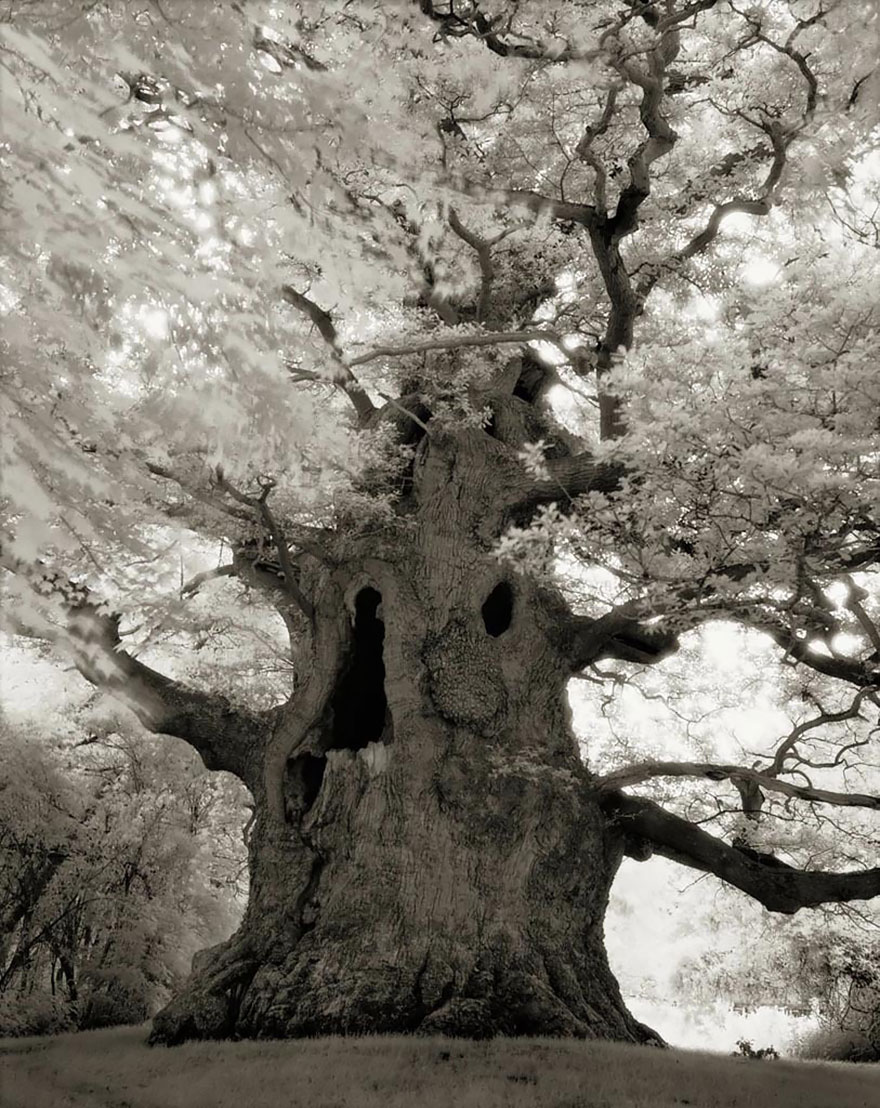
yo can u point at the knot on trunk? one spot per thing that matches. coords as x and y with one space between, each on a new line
466 683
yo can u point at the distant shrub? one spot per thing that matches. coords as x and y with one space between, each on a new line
746 1050
836 1044
35 1014
40 1013
850 1029
113 1008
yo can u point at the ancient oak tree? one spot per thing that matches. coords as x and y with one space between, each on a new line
493 344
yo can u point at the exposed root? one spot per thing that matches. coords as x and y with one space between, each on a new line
207 1005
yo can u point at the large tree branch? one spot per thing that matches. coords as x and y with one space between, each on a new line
659 135
780 137
192 586
225 737
564 210
455 342
585 153
562 479
862 673
645 771
779 887
757 205
483 248
619 635
498 36
606 233
619 328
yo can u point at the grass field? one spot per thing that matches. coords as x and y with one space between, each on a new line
115 1069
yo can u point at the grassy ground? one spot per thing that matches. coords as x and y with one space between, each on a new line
115 1069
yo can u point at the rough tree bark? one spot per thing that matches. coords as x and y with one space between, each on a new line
428 851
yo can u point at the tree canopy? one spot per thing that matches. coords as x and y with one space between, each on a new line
260 256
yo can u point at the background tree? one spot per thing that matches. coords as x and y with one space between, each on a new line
116 868
303 283
822 965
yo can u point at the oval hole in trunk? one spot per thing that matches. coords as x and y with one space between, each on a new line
497 609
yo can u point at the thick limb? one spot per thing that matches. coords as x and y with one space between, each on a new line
226 737
562 479
779 887
618 635
644 771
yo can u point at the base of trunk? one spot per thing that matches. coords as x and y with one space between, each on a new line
233 993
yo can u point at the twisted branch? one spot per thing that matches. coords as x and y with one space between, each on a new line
645 771
259 503
342 377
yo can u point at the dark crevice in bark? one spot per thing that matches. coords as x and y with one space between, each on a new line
305 775
532 379
306 908
359 705
497 609
313 777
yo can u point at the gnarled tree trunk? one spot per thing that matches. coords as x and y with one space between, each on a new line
428 853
